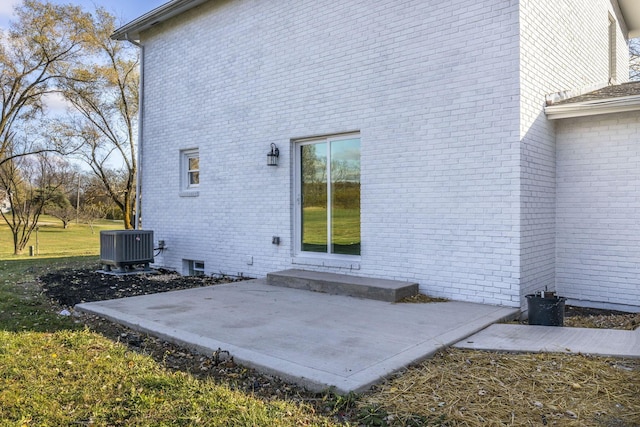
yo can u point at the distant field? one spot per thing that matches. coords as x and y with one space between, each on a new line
54 241
346 225
345 230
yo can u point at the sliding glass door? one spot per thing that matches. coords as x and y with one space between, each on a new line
329 195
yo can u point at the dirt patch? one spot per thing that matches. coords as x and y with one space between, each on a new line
69 287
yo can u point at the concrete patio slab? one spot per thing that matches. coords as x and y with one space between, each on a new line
537 339
314 339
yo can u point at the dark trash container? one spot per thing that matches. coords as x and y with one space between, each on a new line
545 310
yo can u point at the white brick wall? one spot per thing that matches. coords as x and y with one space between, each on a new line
564 45
451 198
427 86
598 210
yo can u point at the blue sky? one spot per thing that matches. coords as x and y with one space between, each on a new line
124 10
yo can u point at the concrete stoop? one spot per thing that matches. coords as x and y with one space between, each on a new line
343 284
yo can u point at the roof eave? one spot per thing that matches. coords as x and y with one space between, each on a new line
631 12
592 108
132 30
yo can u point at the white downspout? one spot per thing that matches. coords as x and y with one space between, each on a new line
136 224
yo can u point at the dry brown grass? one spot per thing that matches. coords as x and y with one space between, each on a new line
421 299
628 321
472 388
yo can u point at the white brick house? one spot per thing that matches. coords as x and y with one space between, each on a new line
433 112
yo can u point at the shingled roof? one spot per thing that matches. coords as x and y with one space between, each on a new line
607 92
606 100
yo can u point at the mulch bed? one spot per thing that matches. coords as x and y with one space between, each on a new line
69 287
583 317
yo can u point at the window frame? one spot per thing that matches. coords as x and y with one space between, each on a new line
301 256
192 267
187 188
196 268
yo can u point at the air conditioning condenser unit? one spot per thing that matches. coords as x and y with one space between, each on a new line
126 248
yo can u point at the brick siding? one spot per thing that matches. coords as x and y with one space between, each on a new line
458 180
598 231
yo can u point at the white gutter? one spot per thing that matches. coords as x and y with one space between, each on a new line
591 108
158 15
136 224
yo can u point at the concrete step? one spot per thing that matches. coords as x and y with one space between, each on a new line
342 284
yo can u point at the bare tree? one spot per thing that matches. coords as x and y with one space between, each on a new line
634 60
45 39
88 200
30 183
90 213
59 204
60 207
104 95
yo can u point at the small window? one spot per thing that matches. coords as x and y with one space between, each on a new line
195 268
190 169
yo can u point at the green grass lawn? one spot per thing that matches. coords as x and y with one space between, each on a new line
80 378
54 372
22 305
345 226
345 229
53 241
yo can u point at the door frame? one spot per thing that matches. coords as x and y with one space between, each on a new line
297 196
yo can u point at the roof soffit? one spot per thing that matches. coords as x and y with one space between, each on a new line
631 12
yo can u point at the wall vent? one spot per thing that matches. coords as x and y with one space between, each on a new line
126 248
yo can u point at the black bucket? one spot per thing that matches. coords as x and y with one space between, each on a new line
546 311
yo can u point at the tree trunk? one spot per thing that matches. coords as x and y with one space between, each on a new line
127 211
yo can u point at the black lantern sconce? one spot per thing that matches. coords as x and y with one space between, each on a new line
272 156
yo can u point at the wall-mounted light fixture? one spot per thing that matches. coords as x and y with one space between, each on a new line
272 156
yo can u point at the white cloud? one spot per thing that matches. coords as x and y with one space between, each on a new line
6 6
56 104
6 11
